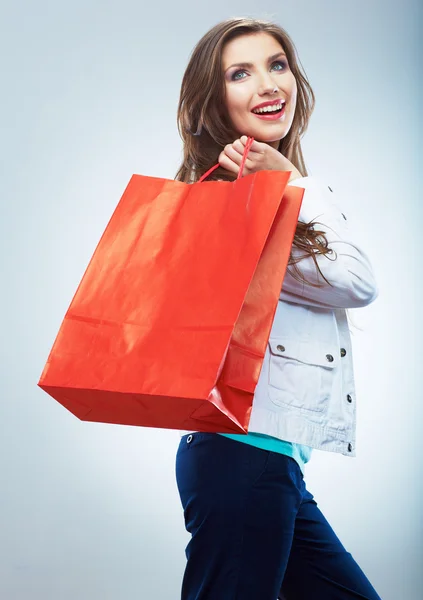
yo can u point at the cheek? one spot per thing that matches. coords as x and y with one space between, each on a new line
236 101
293 90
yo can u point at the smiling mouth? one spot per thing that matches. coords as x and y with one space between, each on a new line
270 110
275 114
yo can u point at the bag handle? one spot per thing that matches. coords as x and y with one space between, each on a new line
250 140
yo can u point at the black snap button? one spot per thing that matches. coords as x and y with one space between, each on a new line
280 348
343 352
189 439
349 398
349 447
329 357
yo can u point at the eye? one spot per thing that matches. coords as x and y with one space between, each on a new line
235 75
281 64
278 65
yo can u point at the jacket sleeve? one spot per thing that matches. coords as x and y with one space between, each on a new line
347 268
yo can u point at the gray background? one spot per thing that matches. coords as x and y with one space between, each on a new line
89 95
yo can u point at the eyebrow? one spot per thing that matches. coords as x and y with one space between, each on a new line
247 65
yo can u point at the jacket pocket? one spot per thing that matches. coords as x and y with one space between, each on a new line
300 375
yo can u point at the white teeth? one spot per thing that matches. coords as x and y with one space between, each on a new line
266 109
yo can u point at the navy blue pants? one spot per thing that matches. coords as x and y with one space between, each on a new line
256 532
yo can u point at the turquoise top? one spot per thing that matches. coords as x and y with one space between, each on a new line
298 452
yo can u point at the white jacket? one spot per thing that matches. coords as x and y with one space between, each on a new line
306 393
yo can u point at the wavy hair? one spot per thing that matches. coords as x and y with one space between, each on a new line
205 128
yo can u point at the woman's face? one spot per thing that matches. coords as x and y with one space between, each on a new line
256 72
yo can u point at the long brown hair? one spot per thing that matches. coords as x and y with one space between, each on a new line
205 128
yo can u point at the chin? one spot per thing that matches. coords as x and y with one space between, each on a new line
269 133
269 136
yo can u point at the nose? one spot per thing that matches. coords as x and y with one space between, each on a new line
267 85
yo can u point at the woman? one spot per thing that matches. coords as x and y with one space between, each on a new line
257 533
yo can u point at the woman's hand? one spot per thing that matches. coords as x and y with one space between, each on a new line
261 157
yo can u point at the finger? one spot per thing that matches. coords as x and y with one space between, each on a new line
228 164
251 159
234 154
240 148
232 166
258 147
255 145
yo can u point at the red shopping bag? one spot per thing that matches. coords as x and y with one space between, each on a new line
169 324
